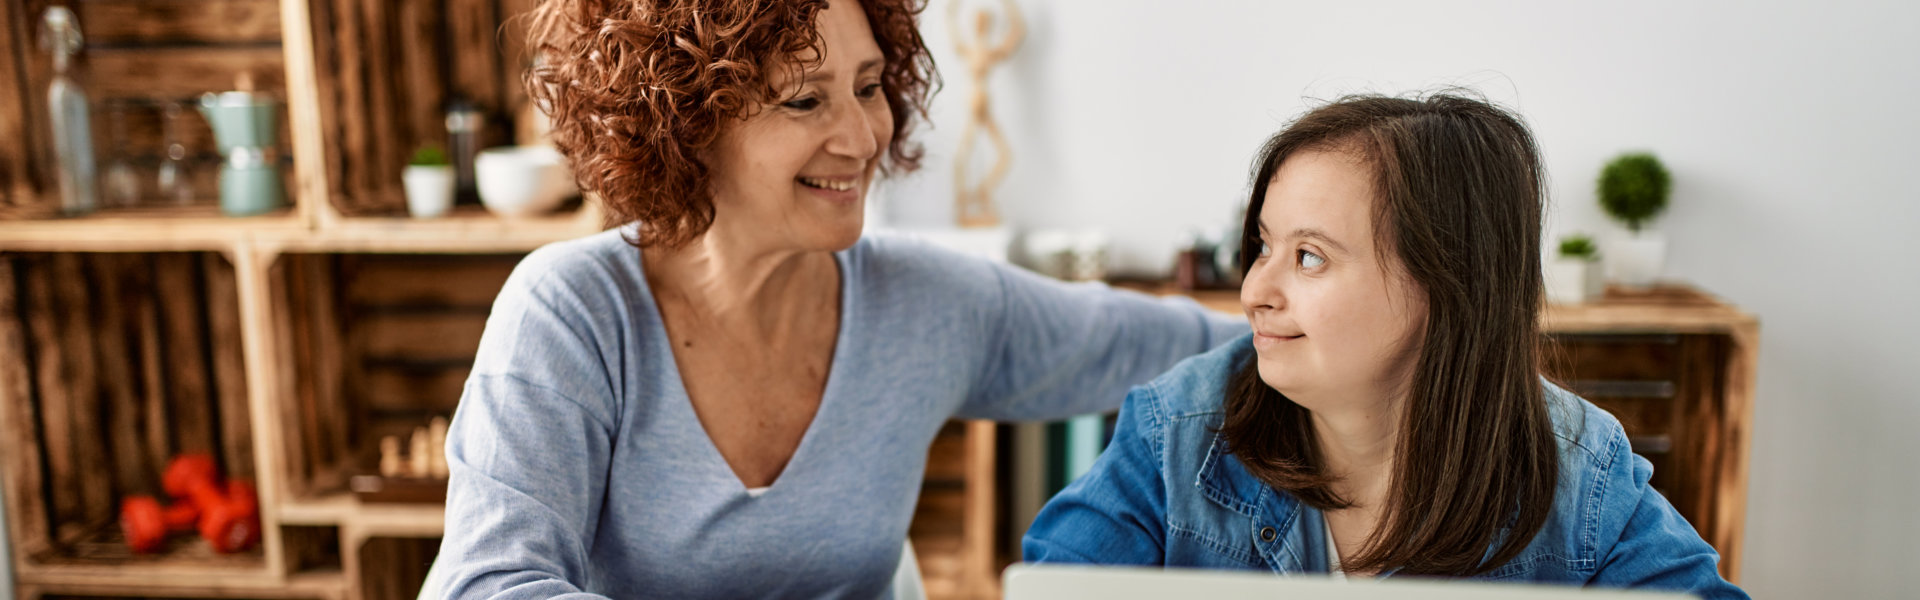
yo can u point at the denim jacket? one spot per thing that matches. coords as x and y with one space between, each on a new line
1166 492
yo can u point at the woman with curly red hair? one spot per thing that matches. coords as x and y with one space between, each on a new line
732 395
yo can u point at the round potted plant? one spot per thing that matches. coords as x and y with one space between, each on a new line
428 180
1573 277
1633 189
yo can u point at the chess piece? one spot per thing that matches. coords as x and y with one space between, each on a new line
973 201
390 463
437 438
419 465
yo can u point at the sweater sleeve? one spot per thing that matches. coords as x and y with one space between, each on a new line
1116 513
528 449
1057 349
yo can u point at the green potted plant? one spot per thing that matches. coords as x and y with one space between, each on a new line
1573 276
1633 189
428 180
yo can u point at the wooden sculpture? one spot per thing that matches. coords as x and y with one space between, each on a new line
973 201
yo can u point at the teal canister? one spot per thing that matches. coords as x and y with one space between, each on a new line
244 129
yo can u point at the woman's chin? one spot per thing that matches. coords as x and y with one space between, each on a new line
1279 378
839 235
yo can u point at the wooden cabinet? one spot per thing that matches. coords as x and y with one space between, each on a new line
285 344
1676 365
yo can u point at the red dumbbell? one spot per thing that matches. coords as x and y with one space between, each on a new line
229 515
147 524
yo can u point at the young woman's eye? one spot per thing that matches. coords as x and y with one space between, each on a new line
870 90
1264 250
807 103
1311 260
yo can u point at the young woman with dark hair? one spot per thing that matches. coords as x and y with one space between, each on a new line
1387 416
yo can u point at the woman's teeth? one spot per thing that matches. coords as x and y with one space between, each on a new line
827 185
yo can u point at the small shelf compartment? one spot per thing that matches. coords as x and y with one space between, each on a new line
371 345
129 360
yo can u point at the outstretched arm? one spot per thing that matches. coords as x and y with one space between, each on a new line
1060 349
1016 31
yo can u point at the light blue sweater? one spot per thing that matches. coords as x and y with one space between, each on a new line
580 470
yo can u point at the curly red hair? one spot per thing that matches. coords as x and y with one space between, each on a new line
637 88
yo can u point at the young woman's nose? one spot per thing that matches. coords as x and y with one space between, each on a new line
1261 289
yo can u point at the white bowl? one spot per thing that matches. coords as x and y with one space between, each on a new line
522 181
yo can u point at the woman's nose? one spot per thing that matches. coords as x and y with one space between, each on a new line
1260 290
854 132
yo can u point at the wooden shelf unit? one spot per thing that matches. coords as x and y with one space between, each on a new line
1676 365
259 353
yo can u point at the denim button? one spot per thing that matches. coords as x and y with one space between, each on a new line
1267 534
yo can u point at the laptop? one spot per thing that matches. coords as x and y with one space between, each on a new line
1070 582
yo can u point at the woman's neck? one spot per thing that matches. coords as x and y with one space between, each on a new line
1357 444
730 279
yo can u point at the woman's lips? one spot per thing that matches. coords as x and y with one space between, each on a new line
1266 340
839 189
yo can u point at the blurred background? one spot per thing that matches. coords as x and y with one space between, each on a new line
269 231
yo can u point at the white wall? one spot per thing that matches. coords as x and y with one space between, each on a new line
1790 127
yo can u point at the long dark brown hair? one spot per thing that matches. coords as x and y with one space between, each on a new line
1460 192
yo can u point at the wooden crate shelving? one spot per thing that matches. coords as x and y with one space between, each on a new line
311 552
113 364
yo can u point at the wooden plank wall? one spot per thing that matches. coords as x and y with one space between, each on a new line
309 359
107 378
395 568
24 178
388 69
373 345
415 325
26 492
139 57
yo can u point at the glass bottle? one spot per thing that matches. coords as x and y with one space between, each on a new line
176 183
67 109
121 183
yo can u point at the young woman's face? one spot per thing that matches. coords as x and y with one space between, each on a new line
796 172
1333 324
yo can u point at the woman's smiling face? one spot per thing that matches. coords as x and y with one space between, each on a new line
797 171
1335 317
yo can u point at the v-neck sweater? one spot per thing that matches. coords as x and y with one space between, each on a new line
580 470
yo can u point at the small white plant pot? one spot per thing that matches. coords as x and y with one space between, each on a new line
1638 261
429 190
1573 280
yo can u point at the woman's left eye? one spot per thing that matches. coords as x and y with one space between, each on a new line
870 90
1311 260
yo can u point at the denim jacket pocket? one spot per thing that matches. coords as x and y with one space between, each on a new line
1190 545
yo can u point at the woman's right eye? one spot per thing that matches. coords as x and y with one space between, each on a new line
802 103
1264 251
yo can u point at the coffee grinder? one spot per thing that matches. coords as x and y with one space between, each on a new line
245 128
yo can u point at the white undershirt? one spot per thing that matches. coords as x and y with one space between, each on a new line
1333 552
756 492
